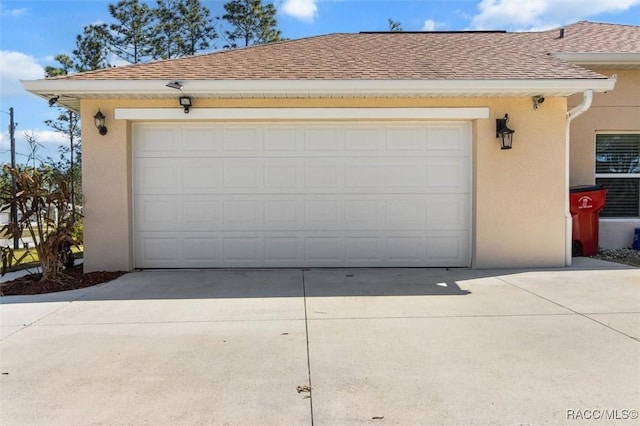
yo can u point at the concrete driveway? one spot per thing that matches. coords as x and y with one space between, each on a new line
376 346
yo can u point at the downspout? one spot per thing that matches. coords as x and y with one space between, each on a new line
568 223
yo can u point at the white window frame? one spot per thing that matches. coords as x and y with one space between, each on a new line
615 175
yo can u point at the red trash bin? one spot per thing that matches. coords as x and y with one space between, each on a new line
585 203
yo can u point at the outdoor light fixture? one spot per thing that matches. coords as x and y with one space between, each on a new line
99 120
174 85
504 133
53 100
537 100
185 102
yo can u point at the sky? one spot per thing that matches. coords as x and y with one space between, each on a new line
33 32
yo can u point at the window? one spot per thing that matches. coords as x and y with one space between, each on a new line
618 170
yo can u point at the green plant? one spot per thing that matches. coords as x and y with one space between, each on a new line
43 200
78 229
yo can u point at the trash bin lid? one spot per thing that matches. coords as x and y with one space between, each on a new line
585 188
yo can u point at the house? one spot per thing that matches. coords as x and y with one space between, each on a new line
364 150
605 141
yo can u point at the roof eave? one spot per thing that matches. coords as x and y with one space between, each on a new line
624 59
70 91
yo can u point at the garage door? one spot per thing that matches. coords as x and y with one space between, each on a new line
302 194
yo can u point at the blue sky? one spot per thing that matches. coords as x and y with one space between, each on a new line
33 32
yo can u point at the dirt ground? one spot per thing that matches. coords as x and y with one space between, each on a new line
69 279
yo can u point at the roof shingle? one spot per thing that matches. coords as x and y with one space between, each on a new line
395 56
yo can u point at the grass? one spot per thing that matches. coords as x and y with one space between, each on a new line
31 260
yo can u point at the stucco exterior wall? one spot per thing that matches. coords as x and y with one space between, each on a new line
615 111
518 200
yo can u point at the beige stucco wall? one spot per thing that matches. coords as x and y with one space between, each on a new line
618 110
518 200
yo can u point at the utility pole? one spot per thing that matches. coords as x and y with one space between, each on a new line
14 208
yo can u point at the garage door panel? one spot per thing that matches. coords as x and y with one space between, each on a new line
158 249
338 212
199 250
290 195
282 175
242 174
323 138
157 175
447 139
242 139
359 139
199 175
282 139
288 249
200 214
447 249
241 248
447 175
405 138
157 213
281 249
200 141
156 141
447 212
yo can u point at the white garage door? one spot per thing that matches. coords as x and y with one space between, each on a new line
302 194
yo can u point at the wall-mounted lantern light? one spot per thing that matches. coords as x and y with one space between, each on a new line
504 133
185 102
99 120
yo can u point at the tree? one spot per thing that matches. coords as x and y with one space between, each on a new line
183 27
70 164
68 124
92 48
66 66
395 26
132 32
251 23
34 146
198 30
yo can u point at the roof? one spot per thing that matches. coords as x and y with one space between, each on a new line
594 37
596 45
370 64
370 56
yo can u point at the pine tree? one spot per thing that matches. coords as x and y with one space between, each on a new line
92 48
131 34
251 23
395 26
183 27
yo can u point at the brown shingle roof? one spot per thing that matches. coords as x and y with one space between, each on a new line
394 56
593 37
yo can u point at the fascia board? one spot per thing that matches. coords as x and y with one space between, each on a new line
310 88
628 58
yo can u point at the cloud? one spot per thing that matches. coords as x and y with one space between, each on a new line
304 10
542 14
431 25
14 13
15 66
42 136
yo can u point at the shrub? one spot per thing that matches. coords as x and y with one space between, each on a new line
43 201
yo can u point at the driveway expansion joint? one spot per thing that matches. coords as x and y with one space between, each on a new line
306 328
582 314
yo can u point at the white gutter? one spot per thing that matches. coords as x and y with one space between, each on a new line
310 88
604 58
568 223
